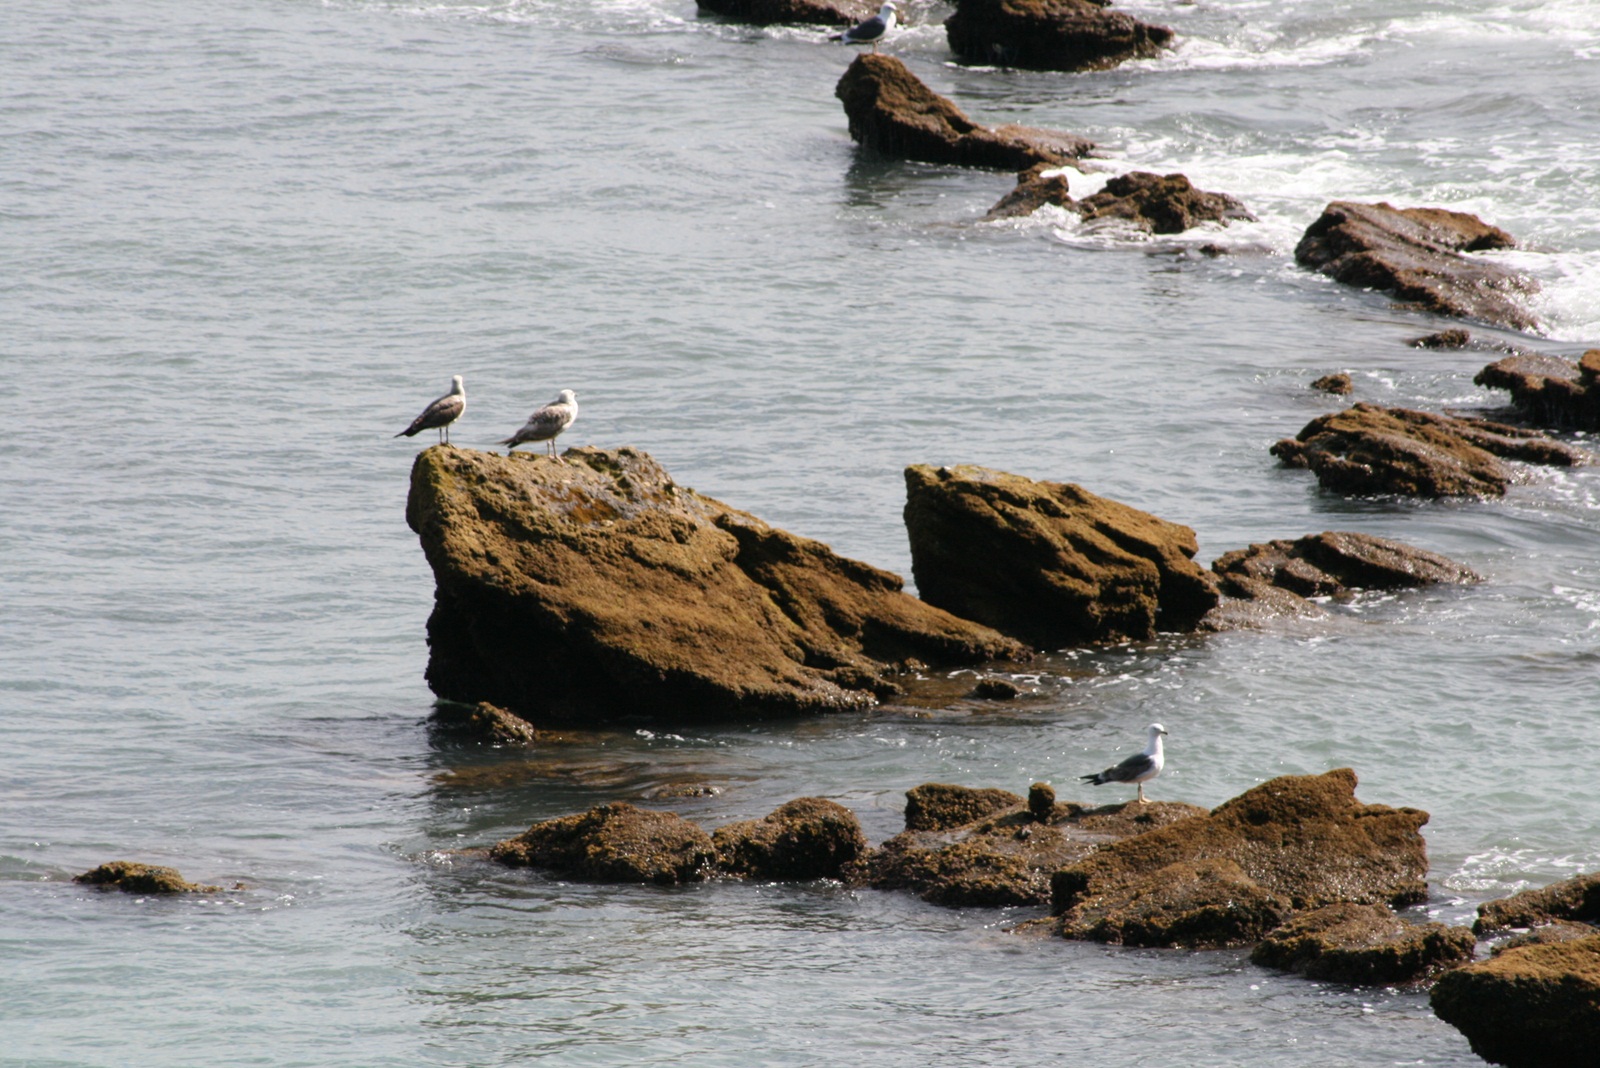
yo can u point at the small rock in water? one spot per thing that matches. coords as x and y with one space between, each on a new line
1339 383
136 878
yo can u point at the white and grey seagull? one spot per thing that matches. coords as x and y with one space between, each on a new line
1139 768
547 422
872 30
440 414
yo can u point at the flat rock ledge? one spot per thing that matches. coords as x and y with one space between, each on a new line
1069 35
135 878
594 587
1548 390
1575 899
1536 1006
1364 945
1154 203
893 113
1416 254
791 12
1369 450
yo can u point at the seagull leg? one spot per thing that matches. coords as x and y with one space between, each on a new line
1142 799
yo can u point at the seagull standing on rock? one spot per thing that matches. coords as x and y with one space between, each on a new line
872 30
1139 768
440 414
547 422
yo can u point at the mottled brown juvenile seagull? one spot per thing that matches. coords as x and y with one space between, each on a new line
1139 768
441 413
547 422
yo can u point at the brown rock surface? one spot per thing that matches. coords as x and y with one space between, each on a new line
1049 34
1577 898
484 722
1548 390
1363 944
596 587
1369 449
1037 186
937 806
135 878
1339 383
1416 254
1304 839
1204 903
616 843
1160 204
807 838
892 112
1545 934
1050 563
1533 1007
798 12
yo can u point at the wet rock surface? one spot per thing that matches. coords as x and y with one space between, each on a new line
1160 204
1065 35
807 838
1339 384
1548 390
1577 898
796 12
937 806
485 723
1041 184
1364 945
135 878
1050 563
1536 1006
1546 934
1369 449
893 113
615 843
1304 841
582 590
1416 254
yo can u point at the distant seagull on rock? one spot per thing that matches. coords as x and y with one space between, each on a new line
547 422
1139 768
871 31
440 414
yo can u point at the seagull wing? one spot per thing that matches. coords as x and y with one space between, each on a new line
1130 770
543 424
447 409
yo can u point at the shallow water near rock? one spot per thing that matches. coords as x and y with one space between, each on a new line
249 241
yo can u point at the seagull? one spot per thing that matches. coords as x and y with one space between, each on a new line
441 413
872 30
547 422
1139 768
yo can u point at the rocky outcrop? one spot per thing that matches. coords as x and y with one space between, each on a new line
1548 390
893 113
1041 184
937 806
798 12
616 843
1363 944
1546 934
1228 877
1050 563
596 587
1280 576
1339 384
1050 34
1533 1007
808 838
1369 449
1153 203
483 722
135 878
1577 898
1416 254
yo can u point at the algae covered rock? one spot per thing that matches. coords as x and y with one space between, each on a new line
793 12
1066 35
1363 944
807 838
135 878
1533 1007
1548 390
594 588
1050 563
616 843
1577 898
1160 204
1204 903
937 806
893 113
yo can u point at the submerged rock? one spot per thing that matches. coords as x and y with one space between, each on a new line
1363 944
892 112
807 838
484 722
1303 840
1050 34
1445 339
1416 254
1577 898
596 587
1548 390
135 878
794 12
1050 563
1533 1007
616 843
1369 449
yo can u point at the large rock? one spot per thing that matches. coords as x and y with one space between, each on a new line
1416 254
1050 563
893 113
1303 841
1370 449
596 587
1049 34
1550 391
807 838
1364 944
1577 898
616 843
937 806
132 877
1533 1007
1153 203
799 12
